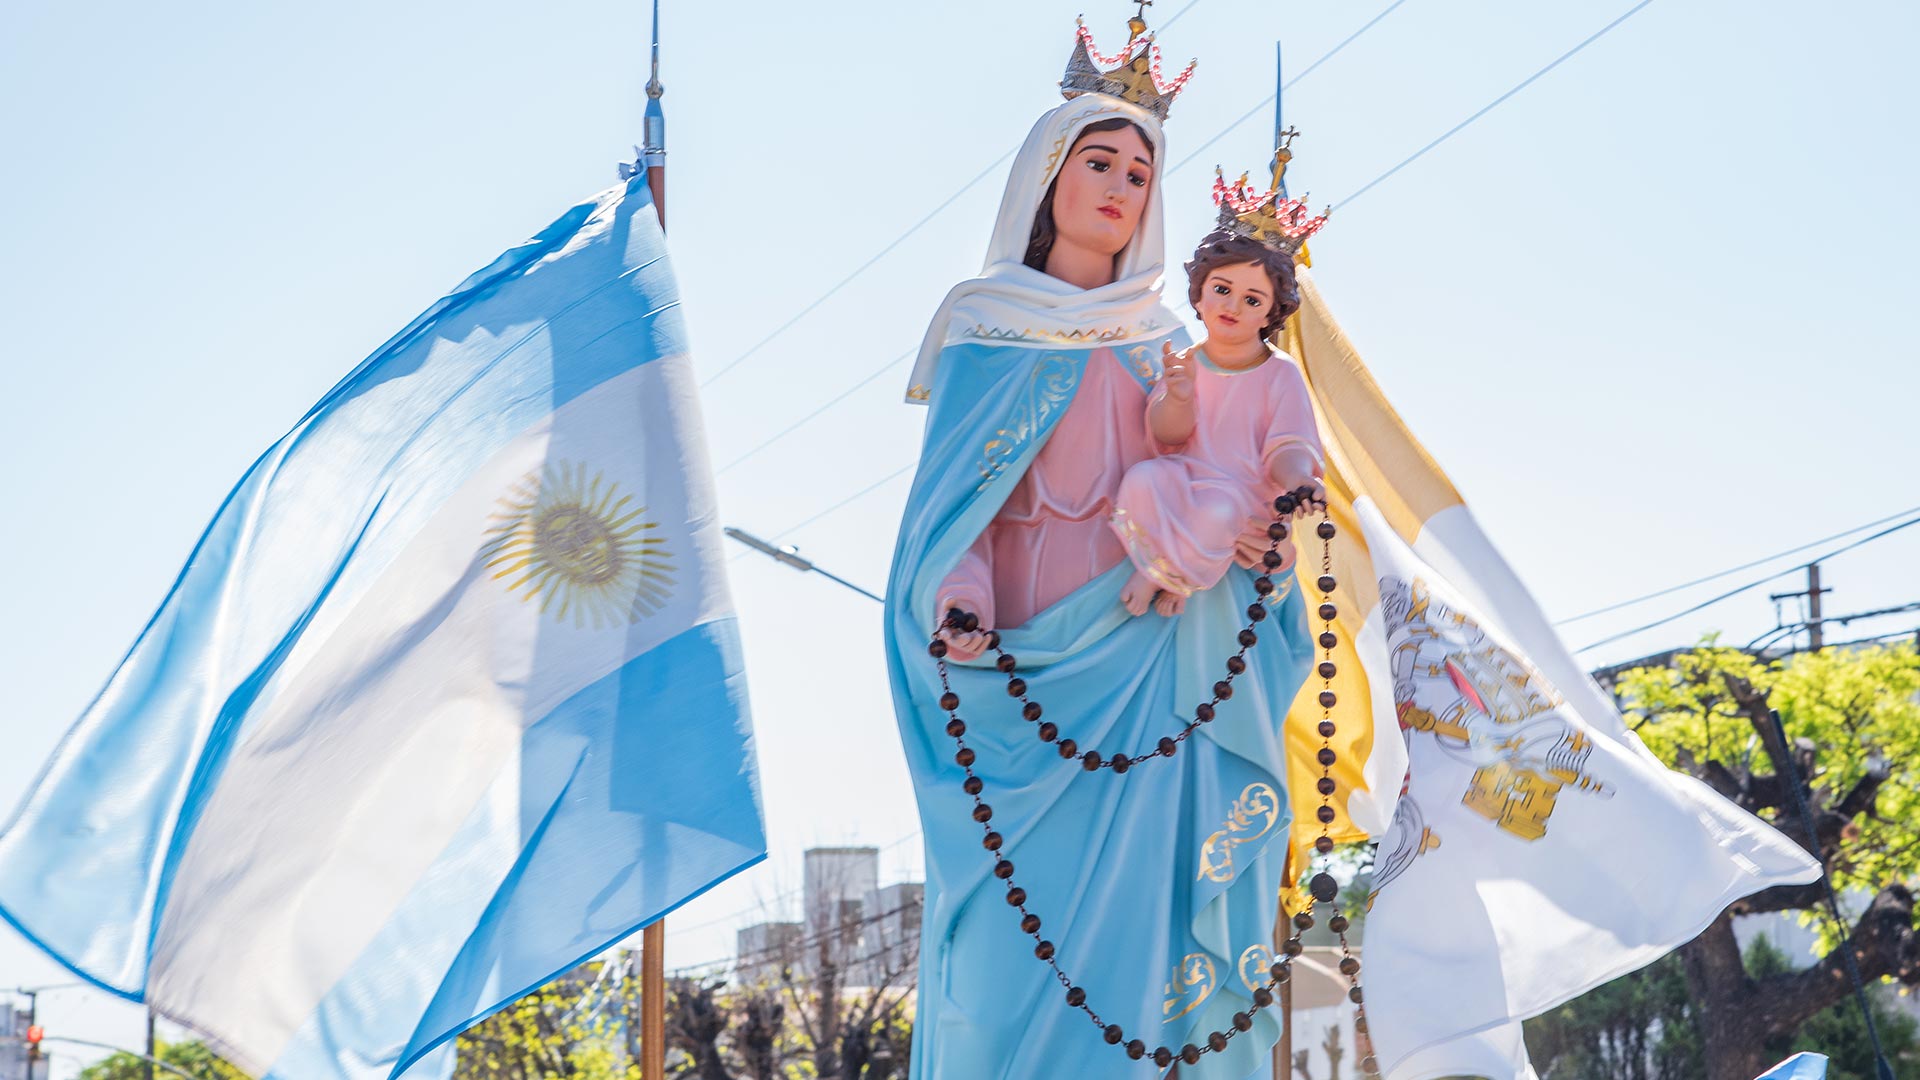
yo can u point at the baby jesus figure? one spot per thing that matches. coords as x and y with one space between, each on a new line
1232 427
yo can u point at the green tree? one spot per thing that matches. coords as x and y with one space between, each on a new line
1852 720
192 1057
569 1029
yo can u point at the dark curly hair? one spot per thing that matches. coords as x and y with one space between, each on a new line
1223 248
1040 239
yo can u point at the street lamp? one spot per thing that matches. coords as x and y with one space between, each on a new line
792 557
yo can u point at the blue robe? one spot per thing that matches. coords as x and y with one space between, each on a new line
1158 886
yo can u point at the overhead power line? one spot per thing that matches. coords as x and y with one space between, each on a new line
1754 584
1717 575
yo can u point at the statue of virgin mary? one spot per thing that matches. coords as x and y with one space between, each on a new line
1155 886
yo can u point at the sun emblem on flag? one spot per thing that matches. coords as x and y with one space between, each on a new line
567 539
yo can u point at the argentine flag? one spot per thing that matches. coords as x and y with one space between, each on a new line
448 698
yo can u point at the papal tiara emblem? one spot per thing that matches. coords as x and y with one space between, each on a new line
1133 75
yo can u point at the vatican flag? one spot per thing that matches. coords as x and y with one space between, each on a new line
1502 786
448 698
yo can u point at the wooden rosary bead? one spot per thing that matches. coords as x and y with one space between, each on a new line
972 785
1203 712
1368 1065
937 649
1222 690
1328 612
1190 1054
1030 923
1256 612
993 639
1069 748
956 727
1076 997
1293 948
1325 814
1136 1049
1328 699
1326 757
1303 921
1216 1042
1277 531
1338 924
1003 869
1031 710
1005 663
1327 729
1326 583
1044 950
965 756
992 841
1349 966
1323 844
1248 639
1282 971
1327 670
1325 530
1323 887
969 622
1236 665
1016 687
1113 1035
1049 731
1328 640
1122 763
983 814
1167 746
1325 785
1090 760
1242 1022
1272 560
949 701
1360 1024
1285 504
1162 1057
1263 585
1016 896
1262 997
1354 995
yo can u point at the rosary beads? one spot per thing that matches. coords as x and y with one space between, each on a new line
1322 887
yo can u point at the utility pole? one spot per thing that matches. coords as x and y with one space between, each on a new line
150 1044
1816 633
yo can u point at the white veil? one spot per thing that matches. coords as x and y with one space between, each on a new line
1011 303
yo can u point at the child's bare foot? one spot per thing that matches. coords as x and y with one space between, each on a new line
1137 593
1169 605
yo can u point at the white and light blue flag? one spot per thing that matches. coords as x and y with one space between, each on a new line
448 698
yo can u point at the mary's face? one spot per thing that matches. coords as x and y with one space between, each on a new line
1102 190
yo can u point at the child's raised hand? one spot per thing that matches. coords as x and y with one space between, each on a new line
1176 371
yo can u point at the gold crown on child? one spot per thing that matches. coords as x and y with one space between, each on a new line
1132 75
1269 218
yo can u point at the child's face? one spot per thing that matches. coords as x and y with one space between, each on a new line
1235 302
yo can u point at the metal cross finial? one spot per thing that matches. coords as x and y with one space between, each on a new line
1286 137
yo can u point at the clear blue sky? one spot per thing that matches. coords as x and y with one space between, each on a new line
1651 314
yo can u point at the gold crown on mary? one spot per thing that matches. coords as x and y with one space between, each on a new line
1268 218
1133 75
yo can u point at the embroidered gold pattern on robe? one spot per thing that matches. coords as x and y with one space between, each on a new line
1048 390
1486 707
1254 964
1254 814
1192 983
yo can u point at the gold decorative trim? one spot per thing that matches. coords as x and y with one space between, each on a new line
1192 982
1258 805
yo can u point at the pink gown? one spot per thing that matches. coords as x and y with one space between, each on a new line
1179 514
1051 536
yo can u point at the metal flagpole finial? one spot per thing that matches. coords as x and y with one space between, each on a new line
655 151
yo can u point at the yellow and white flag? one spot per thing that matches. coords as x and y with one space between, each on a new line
1530 847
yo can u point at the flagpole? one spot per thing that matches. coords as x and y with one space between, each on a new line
1282 1050
653 939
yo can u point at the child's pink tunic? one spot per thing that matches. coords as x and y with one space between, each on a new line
1052 536
1179 514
